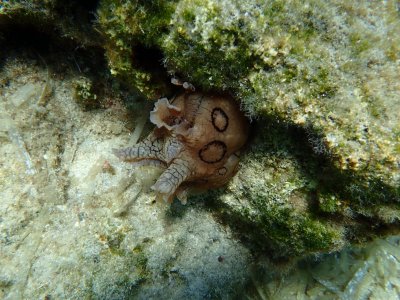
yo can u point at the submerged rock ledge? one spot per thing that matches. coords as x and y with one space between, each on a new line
320 81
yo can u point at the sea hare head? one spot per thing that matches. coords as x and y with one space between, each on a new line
165 115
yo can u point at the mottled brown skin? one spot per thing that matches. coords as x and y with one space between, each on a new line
197 140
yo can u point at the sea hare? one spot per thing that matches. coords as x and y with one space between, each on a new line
197 139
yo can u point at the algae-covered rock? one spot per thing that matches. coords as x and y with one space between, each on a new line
353 273
330 68
321 79
273 198
134 30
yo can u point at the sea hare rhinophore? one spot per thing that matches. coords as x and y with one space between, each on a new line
197 139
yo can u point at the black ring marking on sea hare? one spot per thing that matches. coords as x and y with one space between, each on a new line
222 171
214 115
213 146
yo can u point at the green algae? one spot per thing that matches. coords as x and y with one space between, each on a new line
278 207
85 94
133 30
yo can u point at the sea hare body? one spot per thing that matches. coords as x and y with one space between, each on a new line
197 139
